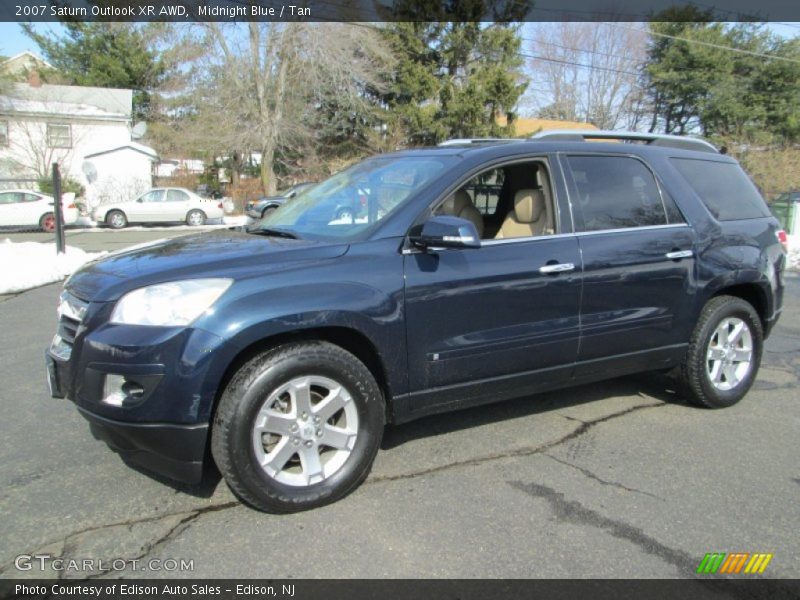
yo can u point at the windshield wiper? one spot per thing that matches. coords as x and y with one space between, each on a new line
283 233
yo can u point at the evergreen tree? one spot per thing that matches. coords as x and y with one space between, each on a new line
115 55
456 74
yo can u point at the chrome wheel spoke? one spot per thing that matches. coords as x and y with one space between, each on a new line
331 404
715 353
301 395
312 465
338 438
742 355
715 373
730 375
280 455
270 421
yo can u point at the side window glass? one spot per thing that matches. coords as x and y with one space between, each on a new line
176 196
484 189
616 192
30 198
8 198
674 214
154 196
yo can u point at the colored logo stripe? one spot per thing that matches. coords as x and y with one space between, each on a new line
734 563
758 563
711 562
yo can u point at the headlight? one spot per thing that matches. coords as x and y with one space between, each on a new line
169 304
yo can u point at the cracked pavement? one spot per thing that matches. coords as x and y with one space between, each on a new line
616 479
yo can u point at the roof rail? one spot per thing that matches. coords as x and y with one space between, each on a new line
651 139
462 141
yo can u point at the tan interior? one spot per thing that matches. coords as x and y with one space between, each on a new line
530 216
460 205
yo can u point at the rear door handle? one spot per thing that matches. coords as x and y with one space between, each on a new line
559 268
679 254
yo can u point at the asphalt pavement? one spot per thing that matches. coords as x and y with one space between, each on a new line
616 479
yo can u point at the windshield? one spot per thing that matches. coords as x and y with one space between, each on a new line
352 202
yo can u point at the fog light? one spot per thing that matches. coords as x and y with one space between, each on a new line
119 391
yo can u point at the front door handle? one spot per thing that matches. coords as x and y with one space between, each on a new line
559 268
679 254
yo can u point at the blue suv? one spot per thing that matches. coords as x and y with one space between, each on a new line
479 270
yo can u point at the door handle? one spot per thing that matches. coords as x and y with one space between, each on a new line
559 268
679 254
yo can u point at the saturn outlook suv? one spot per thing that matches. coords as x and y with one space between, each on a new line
480 270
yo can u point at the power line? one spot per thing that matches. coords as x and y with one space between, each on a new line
707 44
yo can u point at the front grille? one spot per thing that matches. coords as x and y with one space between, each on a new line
68 329
71 311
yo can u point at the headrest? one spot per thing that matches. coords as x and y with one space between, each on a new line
529 205
455 203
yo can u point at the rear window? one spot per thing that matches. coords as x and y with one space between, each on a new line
724 188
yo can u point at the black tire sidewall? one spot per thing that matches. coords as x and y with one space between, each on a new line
739 309
252 397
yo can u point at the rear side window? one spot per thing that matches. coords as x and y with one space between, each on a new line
616 192
723 187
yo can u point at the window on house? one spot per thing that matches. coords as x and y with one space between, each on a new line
59 136
3 133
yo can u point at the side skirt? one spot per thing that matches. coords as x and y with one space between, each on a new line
409 407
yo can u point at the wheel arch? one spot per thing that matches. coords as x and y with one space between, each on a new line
351 340
753 290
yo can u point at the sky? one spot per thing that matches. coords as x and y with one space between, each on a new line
13 40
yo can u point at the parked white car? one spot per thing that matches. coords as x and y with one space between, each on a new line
160 205
26 208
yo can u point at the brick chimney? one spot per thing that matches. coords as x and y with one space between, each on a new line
34 80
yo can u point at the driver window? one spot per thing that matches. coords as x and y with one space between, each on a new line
513 201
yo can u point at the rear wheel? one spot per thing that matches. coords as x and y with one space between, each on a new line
298 427
116 219
195 218
48 223
724 354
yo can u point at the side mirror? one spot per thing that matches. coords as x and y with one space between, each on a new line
447 232
140 199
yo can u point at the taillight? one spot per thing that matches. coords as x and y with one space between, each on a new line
783 239
72 205
220 205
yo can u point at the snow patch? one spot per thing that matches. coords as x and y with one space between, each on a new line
31 264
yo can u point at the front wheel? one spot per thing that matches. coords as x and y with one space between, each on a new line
195 218
724 353
298 427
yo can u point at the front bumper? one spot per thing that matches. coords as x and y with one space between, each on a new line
164 425
174 451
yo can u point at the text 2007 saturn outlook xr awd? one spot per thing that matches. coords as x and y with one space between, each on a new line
475 271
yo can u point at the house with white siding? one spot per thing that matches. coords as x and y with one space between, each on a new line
86 130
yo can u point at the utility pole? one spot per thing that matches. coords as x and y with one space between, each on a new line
58 210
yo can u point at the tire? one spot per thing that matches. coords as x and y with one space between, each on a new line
195 218
48 222
714 373
289 481
268 211
116 219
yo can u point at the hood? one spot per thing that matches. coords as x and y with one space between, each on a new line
221 253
